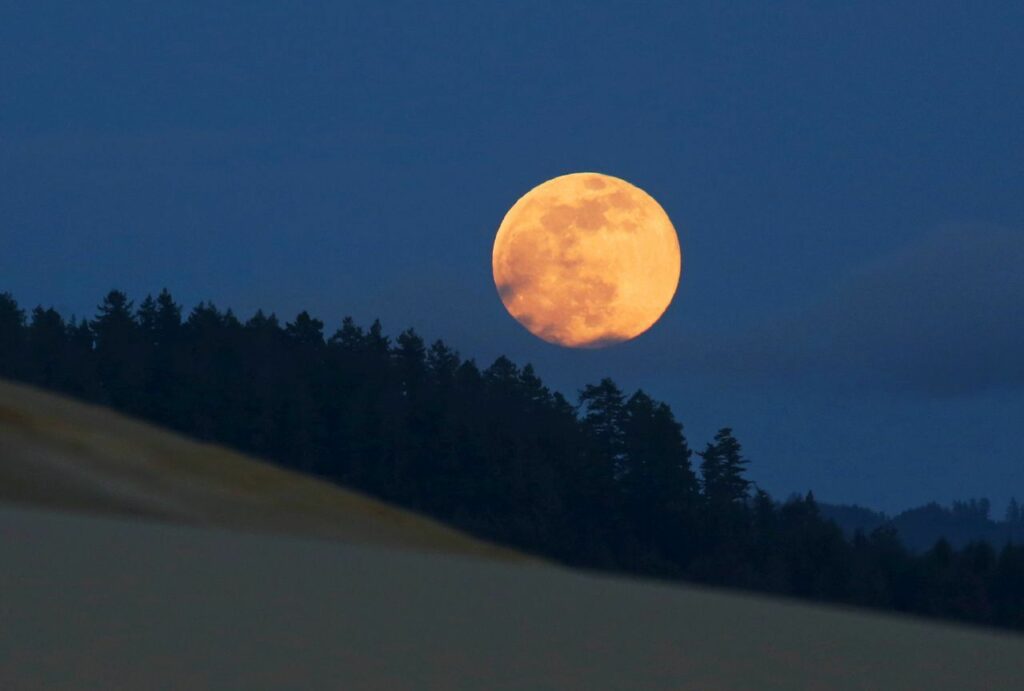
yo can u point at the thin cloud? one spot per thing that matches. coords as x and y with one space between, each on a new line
944 316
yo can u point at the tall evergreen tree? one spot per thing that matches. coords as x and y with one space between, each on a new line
82 379
119 352
722 468
47 340
1013 512
604 416
12 338
410 357
660 485
660 473
160 326
307 332
443 362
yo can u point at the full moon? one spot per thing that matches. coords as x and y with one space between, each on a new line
586 260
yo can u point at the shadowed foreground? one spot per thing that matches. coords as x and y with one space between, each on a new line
92 603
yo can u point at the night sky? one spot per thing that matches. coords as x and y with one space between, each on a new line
847 181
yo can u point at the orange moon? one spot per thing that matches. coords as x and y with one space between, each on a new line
586 260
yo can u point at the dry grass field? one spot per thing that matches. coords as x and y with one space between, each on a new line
68 455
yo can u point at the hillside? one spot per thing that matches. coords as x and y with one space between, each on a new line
201 595
99 603
67 455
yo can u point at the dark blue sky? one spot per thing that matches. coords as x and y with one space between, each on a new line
847 180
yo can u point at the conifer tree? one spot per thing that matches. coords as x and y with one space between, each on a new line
1013 512
12 338
119 352
47 340
722 468
604 416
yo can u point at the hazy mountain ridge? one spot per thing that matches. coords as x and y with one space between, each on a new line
921 527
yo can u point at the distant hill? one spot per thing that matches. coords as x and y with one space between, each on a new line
920 528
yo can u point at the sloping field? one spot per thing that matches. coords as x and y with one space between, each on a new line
63 454
99 603
244 597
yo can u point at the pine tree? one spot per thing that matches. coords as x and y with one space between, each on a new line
80 365
119 353
604 416
660 486
1013 512
722 469
658 456
533 388
159 319
47 339
442 362
410 357
349 338
147 314
12 338
376 342
160 324
306 331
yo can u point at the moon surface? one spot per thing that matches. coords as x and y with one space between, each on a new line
586 260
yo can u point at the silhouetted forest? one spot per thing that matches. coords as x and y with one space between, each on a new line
607 481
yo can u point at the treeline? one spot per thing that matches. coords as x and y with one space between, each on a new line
607 481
